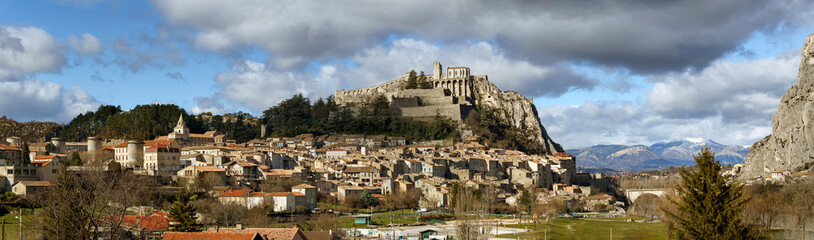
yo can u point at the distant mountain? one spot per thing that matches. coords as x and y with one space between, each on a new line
658 155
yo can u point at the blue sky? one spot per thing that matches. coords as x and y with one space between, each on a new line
608 72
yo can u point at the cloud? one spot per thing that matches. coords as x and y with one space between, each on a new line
146 54
28 50
644 36
254 86
176 76
730 102
381 64
209 104
737 91
87 44
43 101
258 86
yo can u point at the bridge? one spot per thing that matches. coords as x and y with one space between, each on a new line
633 194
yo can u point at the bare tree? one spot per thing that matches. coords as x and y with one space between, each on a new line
647 205
90 204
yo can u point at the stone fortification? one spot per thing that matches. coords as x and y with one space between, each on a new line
454 94
791 145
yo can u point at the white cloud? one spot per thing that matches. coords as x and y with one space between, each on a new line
28 50
254 86
736 91
729 102
381 64
258 86
43 101
643 36
87 44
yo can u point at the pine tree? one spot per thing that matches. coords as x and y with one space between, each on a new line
708 205
412 81
184 213
25 159
75 159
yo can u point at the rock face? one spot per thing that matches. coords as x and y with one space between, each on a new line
453 95
517 110
791 144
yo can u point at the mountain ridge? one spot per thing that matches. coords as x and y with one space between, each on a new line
660 154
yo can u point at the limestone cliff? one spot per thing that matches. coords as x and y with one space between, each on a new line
515 109
791 144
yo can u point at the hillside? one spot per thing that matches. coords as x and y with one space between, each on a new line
28 131
662 154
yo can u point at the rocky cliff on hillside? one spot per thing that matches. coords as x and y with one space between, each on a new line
515 109
28 131
791 144
454 95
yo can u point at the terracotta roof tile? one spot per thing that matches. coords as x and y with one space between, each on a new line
212 236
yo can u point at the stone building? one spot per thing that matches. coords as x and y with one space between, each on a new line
451 95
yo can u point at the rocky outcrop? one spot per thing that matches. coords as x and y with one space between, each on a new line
791 144
27 131
515 109
458 96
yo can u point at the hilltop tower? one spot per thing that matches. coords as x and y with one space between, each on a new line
436 70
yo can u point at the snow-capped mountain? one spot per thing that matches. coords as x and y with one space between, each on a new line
662 154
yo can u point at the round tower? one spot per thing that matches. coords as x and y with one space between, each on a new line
135 154
58 145
94 145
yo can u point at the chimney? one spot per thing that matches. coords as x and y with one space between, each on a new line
239 226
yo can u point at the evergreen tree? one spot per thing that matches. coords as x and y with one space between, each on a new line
422 81
183 213
368 199
75 159
708 204
412 81
25 158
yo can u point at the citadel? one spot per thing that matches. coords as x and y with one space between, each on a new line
452 94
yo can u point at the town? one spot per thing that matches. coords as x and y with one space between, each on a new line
339 167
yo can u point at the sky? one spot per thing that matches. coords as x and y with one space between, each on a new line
600 72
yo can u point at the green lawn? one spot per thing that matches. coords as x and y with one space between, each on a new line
565 228
12 225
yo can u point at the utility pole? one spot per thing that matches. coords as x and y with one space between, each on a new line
21 223
4 229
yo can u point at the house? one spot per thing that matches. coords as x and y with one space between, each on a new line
244 171
23 188
365 174
265 233
209 172
14 173
214 236
150 226
308 199
336 153
10 154
162 160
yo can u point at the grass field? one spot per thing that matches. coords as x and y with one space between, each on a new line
11 228
565 228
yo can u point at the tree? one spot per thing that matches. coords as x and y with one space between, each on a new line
228 214
90 204
184 213
412 82
75 159
708 204
422 81
368 200
25 158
